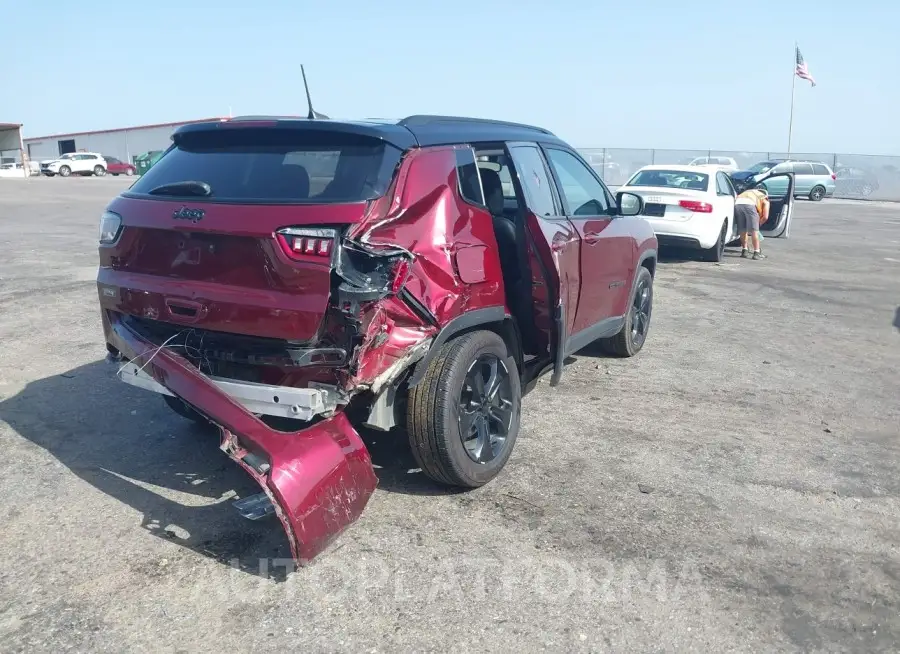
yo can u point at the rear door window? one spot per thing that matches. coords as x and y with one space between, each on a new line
722 185
534 178
820 169
802 168
282 166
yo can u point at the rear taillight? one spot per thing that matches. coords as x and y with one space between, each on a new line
401 274
833 176
301 243
696 206
110 227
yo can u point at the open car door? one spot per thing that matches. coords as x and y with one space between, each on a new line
553 250
555 244
780 187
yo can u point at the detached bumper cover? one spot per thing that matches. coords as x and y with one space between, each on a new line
319 479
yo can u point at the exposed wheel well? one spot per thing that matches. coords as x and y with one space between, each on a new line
384 410
650 264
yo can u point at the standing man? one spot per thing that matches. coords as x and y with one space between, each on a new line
751 209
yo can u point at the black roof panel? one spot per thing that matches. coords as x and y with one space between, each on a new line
408 132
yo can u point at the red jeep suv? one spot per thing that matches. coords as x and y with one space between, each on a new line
291 281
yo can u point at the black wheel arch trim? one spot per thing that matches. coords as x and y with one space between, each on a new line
456 326
647 254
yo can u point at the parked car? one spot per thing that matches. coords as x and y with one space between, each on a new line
408 291
722 163
117 167
75 163
855 182
688 206
693 206
15 170
812 179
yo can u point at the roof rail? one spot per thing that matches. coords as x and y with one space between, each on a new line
421 120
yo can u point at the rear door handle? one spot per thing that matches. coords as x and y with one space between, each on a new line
592 237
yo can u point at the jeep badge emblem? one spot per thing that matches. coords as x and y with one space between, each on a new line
194 215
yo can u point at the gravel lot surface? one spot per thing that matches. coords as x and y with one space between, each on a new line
733 488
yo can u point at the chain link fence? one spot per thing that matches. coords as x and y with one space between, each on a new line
858 176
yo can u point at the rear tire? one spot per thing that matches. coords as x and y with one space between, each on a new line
817 193
129 172
717 251
460 436
183 409
633 335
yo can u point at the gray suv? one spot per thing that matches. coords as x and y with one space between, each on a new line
812 179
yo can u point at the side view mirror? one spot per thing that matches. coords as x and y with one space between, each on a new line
629 204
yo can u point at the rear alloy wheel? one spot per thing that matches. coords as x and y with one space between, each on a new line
866 190
717 251
630 339
64 171
817 193
129 172
463 417
99 171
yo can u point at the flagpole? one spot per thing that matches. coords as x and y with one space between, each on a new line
793 84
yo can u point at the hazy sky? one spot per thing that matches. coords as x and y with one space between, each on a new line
688 74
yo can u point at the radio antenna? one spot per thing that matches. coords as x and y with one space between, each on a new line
313 114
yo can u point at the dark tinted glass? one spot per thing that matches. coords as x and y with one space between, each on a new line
277 166
801 168
467 175
820 169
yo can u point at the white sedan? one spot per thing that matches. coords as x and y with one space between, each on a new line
722 163
693 206
688 206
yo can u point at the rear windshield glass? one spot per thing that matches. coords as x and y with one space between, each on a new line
671 179
276 166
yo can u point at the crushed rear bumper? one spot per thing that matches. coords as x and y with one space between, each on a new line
318 479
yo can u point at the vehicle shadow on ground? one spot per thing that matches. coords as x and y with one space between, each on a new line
395 466
897 319
121 440
672 255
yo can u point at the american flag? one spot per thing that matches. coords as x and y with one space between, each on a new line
801 70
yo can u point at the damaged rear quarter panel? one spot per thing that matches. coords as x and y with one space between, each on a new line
392 337
425 216
429 219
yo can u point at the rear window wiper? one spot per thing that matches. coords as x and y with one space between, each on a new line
186 187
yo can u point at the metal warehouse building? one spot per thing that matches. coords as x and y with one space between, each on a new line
123 144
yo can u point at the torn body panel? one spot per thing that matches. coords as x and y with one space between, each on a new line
424 212
319 479
420 257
